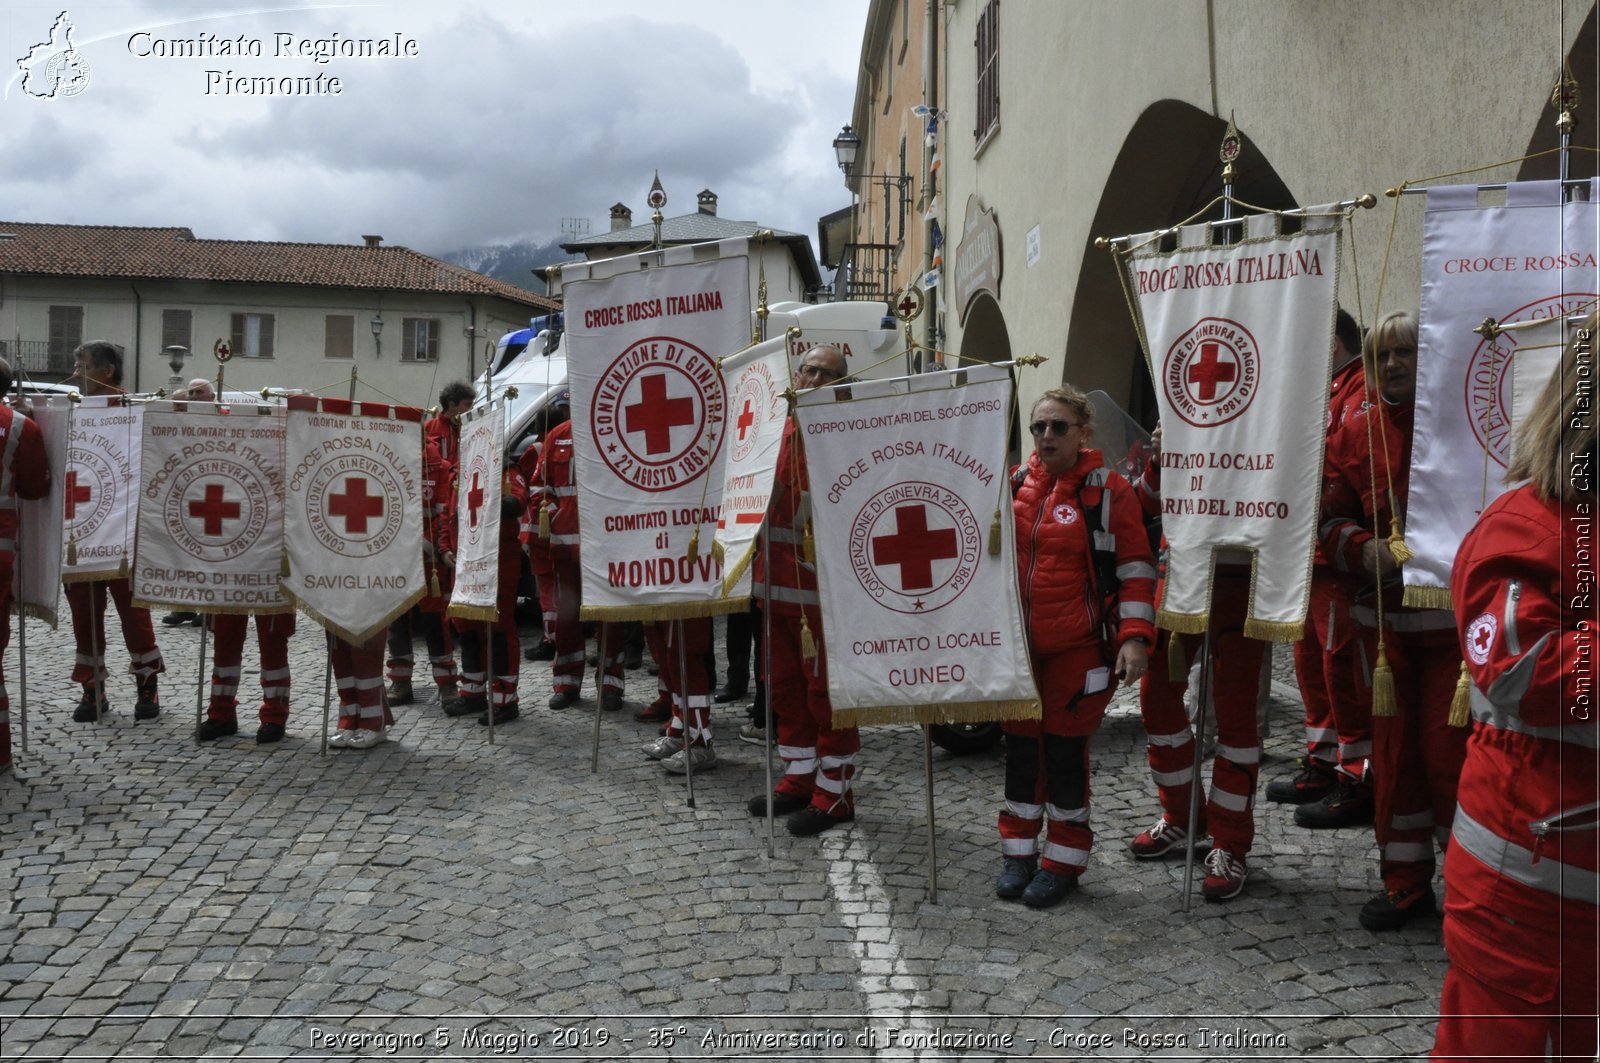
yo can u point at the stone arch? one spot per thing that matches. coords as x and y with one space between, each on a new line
985 338
1166 171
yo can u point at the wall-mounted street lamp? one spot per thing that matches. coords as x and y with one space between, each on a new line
377 334
845 147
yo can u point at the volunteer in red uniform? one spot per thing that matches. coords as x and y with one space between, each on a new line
816 791
427 616
1417 754
1522 875
98 371
24 474
444 428
1333 787
1090 621
558 490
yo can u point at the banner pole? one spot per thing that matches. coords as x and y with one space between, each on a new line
200 682
600 697
683 693
96 639
1203 698
927 790
22 649
488 660
769 720
327 693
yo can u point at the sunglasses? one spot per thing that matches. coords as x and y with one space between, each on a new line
1059 428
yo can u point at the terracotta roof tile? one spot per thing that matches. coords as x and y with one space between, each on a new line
175 254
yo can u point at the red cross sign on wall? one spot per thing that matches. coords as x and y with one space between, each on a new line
213 509
913 547
656 415
355 505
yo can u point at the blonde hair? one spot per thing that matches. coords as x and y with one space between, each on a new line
1562 426
1397 328
1072 399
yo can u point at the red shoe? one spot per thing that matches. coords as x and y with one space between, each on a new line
654 712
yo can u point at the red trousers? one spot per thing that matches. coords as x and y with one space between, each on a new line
819 760
487 645
87 600
358 671
6 572
1334 679
272 639
688 684
566 671
402 650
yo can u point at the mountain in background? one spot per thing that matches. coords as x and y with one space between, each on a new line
512 263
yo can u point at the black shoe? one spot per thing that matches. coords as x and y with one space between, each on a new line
1314 782
1047 888
467 705
545 651
1391 911
633 658
1015 875
731 692
178 619
503 714
85 713
782 804
812 820
212 730
147 707
1349 805
563 698
611 702
268 733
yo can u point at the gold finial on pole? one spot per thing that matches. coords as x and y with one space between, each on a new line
221 351
1228 151
1565 98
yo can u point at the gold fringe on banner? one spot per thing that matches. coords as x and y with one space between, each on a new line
730 576
1461 702
1183 623
355 637
718 552
87 577
1427 598
994 535
1273 630
487 613
1383 699
946 712
674 611
228 610
1177 660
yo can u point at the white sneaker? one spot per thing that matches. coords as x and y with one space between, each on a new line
701 758
361 738
753 733
663 747
340 738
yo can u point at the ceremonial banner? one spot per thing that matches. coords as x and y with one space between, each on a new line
920 615
754 380
36 577
211 508
483 433
352 520
649 421
1534 257
101 488
1239 342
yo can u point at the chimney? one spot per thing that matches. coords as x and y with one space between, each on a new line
621 217
708 202
373 241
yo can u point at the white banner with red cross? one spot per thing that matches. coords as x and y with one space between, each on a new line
754 381
650 425
1532 257
916 556
1239 340
210 528
101 487
36 577
352 518
477 503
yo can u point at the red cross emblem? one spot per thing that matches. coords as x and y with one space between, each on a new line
746 418
913 547
474 499
213 509
1209 370
355 505
1480 637
76 493
656 415
1212 372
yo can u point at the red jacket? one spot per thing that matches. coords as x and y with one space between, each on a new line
1054 563
554 486
1527 809
24 472
794 580
447 434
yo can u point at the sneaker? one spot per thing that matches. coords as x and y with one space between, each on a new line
1348 805
563 698
1225 874
400 692
447 693
701 758
1314 781
178 619
1048 888
782 804
1159 840
663 747
1391 911
654 712
268 733
361 738
544 651
340 737
502 714
212 730
732 692
611 701
1015 874
85 713
467 705
812 820
753 733
147 707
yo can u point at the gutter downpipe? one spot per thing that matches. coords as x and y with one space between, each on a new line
138 333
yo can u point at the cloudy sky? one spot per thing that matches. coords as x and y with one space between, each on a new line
511 116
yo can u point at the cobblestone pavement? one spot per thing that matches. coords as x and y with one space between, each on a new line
441 897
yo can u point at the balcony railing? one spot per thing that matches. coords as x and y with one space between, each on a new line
35 358
866 273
